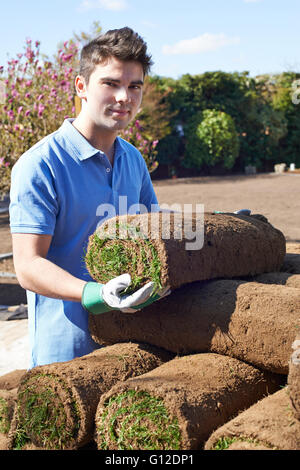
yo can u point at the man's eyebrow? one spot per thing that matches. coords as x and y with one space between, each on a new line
114 80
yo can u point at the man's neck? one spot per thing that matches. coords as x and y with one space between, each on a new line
104 141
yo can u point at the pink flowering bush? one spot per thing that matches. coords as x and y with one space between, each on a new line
135 135
39 95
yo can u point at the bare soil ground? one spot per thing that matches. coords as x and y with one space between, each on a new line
276 196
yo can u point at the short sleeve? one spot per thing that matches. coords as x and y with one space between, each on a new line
33 199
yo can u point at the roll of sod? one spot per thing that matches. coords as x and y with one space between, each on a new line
178 405
56 403
294 377
285 279
253 322
172 249
7 406
268 424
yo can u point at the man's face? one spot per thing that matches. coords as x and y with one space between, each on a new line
114 94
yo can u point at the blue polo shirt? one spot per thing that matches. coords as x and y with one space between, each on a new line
65 187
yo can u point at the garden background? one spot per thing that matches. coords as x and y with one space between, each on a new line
213 123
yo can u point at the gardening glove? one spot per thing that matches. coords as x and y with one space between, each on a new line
100 298
239 212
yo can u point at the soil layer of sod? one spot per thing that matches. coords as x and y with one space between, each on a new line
268 424
179 404
8 395
172 249
250 321
11 379
56 403
294 377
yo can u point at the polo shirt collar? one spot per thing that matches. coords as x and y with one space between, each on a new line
81 145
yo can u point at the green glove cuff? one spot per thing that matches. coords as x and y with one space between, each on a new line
92 299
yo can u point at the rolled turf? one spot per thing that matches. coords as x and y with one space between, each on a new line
179 404
7 406
268 424
253 322
294 377
56 403
159 247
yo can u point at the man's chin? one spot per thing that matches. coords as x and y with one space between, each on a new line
120 125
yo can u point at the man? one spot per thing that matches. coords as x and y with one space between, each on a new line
57 188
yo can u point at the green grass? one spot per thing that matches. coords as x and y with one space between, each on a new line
225 442
107 258
4 418
138 420
37 416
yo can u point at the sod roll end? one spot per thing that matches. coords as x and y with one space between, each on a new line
267 424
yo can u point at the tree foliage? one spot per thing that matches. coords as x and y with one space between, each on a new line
211 139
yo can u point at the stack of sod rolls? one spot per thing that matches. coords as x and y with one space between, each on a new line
294 377
56 403
172 249
8 396
179 404
251 321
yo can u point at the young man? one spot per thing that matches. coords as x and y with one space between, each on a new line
57 189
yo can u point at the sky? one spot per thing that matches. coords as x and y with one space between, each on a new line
187 36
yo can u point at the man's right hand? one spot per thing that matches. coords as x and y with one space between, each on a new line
100 298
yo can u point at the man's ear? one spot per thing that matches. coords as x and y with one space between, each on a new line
80 87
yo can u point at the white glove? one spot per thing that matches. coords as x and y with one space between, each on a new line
112 289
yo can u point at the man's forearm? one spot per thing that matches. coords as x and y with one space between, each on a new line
46 278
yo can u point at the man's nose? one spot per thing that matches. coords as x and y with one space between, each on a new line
122 94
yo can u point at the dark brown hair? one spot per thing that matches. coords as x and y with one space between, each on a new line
123 44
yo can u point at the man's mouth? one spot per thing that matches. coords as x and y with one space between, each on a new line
121 112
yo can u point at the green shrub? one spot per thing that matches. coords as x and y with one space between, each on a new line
211 139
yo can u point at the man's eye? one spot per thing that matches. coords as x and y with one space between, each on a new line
109 83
